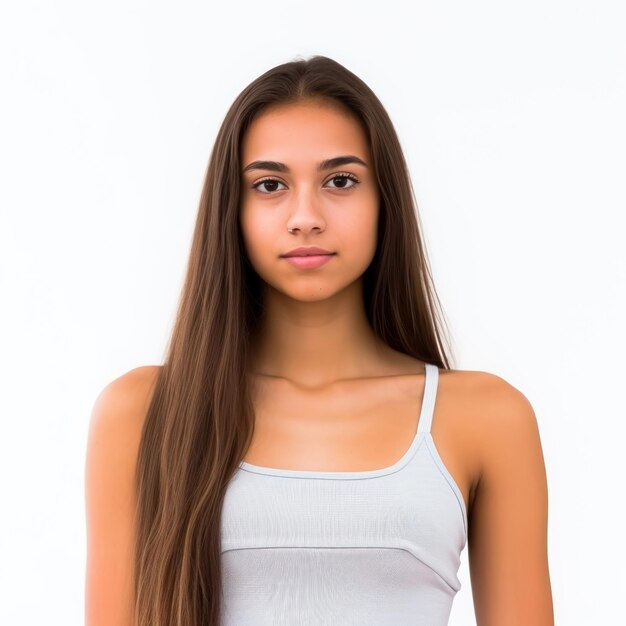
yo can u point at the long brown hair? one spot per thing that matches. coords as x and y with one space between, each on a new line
200 420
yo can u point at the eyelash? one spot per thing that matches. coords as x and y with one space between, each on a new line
352 177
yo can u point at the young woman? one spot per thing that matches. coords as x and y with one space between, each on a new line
306 454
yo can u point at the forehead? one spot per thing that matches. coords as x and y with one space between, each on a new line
304 132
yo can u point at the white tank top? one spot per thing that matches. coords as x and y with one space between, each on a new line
372 548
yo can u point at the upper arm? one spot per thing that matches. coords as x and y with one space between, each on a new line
114 434
507 541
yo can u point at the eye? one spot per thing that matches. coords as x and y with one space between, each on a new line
267 181
345 177
262 185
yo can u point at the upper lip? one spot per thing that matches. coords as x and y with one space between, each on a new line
307 251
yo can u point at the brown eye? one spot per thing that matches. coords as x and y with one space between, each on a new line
344 179
265 183
268 185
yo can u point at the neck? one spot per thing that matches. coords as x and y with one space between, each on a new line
316 343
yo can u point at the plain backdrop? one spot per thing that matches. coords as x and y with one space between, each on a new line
512 118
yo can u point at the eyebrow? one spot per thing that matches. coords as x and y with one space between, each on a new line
327 164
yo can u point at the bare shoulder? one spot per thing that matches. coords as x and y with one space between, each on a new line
118 416
508 519
115 431
484 385
480 415
124 399
492 411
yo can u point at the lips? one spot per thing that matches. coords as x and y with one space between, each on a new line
309 261
308 251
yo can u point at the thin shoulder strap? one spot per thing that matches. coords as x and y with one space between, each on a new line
428 401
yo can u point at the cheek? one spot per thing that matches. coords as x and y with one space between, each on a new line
247 229
359 236
257 237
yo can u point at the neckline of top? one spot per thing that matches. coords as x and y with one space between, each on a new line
423 428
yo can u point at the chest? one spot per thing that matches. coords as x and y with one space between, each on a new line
350 427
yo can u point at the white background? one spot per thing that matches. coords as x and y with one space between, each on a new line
512 119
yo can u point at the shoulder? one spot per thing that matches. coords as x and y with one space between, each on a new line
127 386
115 431
488 384
500 436
496 413
494 419
492 402
500 416
124 401
508 517
493 422
117 420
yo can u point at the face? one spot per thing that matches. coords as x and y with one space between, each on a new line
287 186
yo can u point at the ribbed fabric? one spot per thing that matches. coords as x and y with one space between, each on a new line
371 548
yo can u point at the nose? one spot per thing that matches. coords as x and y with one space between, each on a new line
305 211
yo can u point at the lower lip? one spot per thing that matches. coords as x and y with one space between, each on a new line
315 260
